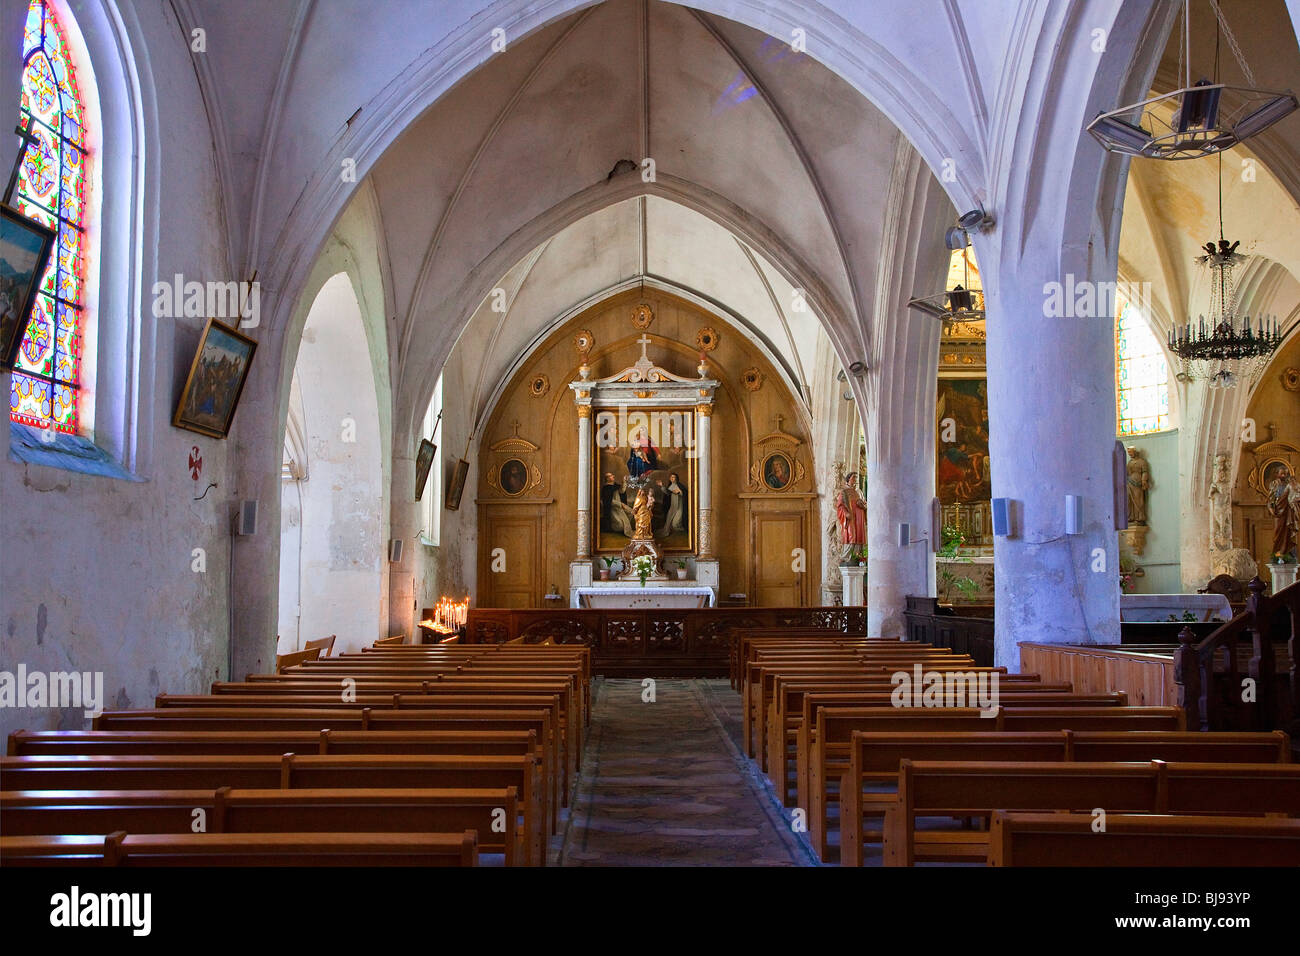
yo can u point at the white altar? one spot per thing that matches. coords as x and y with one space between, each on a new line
1160 607
619 595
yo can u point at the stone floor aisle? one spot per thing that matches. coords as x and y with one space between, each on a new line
665 784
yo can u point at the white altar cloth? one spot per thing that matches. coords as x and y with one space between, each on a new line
1158 607
622 595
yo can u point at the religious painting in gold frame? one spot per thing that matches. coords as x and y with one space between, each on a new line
659 446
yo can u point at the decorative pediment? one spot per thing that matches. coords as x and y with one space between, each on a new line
513 443
779 435
644 383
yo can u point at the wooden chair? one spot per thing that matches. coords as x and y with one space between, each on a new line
324 644
294 658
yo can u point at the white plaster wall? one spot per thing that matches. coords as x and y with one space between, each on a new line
1161 557
341 520
98 572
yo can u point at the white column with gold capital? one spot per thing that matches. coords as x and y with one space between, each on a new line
704 491
584 482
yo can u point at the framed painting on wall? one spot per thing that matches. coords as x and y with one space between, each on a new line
655 450
216 380
456 487
24 254
423 462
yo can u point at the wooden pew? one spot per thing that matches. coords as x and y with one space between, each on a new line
294 658
823 761
869 787
290 771
33 813
1061 839
324 644
785 714
242 849
977 789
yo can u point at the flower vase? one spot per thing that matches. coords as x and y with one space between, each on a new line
642 576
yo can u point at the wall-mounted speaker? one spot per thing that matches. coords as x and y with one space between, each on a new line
246 518
904 535
395 551
1002 517
1073 514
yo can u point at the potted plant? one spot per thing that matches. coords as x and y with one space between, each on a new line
644 566
681 569
604 572
951 553
862 556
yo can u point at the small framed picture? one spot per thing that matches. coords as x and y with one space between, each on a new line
216 379
423 461
457 485
513 477
777 471
24 254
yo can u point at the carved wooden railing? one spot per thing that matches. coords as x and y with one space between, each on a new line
640 642
925 621
1210 684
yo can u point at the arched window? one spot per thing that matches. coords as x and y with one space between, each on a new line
52 188
1141 376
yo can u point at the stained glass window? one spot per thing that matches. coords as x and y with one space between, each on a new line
1141 376
52 189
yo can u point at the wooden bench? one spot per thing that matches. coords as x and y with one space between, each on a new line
977 789
33 813
323 644
290 771
242 849
825 759
869 788
1060 839
294 658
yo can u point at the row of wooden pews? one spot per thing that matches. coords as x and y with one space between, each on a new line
404 755
961 777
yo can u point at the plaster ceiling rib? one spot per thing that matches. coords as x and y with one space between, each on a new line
210 93
798 372
530 263
969 71
435 241
643 25
804 160
272 123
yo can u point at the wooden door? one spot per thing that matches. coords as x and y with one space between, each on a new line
776 583
510 577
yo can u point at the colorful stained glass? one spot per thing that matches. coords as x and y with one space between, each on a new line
51 189
1141 376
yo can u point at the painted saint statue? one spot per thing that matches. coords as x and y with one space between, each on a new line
1284 505
851 512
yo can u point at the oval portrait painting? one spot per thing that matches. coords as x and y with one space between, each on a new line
777 472
513 477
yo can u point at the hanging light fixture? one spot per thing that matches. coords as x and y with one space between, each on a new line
961 303
1224 348
1198 119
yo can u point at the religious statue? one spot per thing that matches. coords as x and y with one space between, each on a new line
851 511
643 510
643 457
1221 505
1284 505
1139 483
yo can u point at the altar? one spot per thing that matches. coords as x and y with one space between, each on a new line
614 596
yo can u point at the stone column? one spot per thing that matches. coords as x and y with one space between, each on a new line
584 482
703 490
1051 387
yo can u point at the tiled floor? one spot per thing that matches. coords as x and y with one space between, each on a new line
663 783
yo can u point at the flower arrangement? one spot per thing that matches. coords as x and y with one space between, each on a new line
644 566
609 564
1280 558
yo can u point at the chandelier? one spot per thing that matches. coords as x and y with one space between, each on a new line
1199 119
961 303
1222 348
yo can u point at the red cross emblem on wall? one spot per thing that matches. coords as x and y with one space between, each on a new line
196 463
